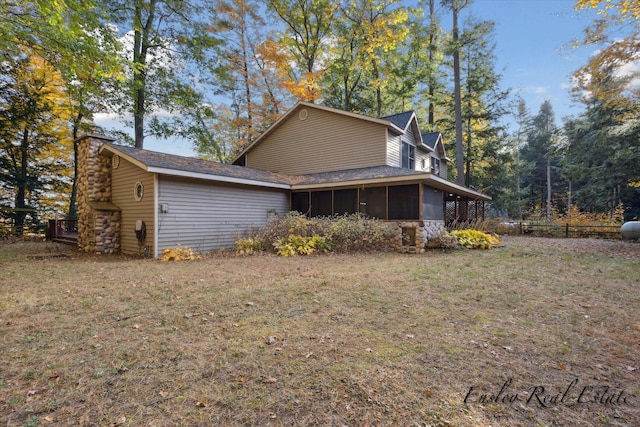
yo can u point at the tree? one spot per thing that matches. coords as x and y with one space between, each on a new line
523 122
456 6
482 103
305 39
255 100
166 40
35 143
371 60
544 180
60 32
434 78
601 160
617 32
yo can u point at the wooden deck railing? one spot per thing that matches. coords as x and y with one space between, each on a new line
63 230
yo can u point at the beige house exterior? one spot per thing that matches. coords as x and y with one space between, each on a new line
316 160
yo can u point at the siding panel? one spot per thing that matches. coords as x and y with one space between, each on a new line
206 216
323 142
394 150
125 178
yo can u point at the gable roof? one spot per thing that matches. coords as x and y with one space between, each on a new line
190 167
433 140
401 119
302 104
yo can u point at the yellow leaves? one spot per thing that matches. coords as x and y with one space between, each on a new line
294 244
180 253
476 239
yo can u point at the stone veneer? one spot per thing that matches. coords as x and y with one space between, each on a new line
424 230
98 218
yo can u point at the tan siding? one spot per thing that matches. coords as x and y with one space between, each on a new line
422 154
125 178
207 216
324 141
394 150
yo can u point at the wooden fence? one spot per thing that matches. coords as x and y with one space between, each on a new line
570 230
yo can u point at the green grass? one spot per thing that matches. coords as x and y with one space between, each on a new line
377 339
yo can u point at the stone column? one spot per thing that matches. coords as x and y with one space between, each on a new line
98 219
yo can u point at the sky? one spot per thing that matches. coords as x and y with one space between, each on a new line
533 55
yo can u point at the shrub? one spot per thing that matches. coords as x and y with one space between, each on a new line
298 245
340 233
475 239
248 245
180 253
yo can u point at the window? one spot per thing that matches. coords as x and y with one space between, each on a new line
404 202
373 202
300 202
408 156
138 191
321 203
345 201
435 166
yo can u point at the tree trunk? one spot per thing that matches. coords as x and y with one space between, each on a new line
21 191
548 188
432 80
457 98
376 74
140 48
73 208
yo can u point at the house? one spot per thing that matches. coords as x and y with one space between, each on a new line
314 159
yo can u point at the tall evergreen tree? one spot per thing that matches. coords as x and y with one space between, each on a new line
544 179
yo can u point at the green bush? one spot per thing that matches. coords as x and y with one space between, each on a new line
340 233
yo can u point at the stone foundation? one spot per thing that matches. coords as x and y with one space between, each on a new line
98 219
416 234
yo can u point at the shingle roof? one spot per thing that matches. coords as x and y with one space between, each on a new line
431 138
372 172
401 119
155 159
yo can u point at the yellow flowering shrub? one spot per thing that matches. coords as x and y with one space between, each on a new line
297 245
475 239
180 253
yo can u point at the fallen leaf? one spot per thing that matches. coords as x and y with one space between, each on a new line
31 392
562 366
410 336
200 404
271 340
270 380
249 304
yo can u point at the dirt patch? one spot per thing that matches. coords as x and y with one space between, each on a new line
538 332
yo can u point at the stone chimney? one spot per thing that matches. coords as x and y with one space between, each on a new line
98 218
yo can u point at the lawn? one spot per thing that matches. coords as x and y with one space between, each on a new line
537 332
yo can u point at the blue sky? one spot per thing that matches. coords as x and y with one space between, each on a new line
532 51
534 56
